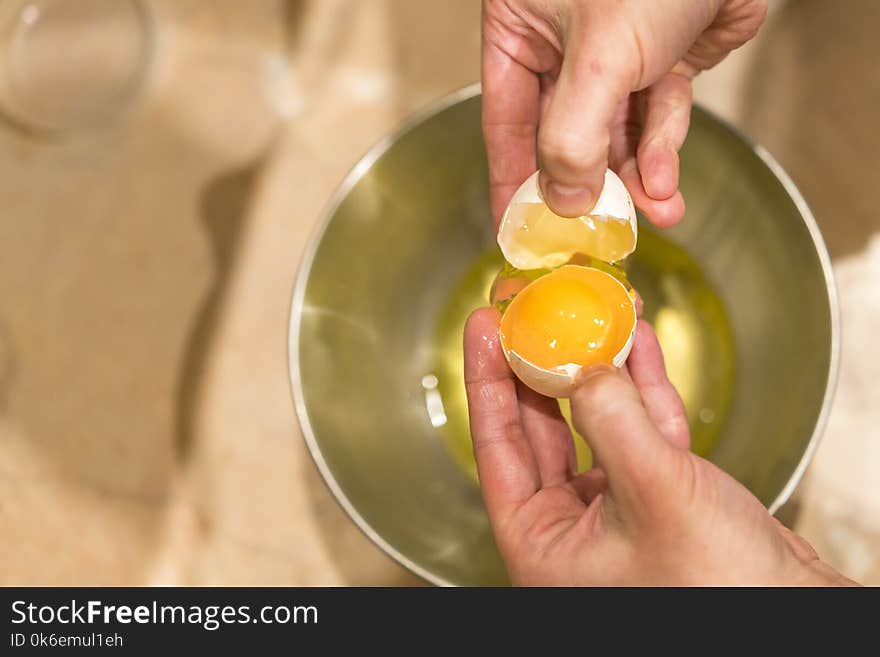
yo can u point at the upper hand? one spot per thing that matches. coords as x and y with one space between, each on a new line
558 77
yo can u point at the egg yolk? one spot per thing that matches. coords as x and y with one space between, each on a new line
574 314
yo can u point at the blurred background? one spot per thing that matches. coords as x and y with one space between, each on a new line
160 171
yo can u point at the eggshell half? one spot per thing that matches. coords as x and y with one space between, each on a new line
614 204
559 381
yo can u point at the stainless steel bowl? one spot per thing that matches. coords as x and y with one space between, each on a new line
412 216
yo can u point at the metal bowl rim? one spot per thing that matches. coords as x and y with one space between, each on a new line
366 162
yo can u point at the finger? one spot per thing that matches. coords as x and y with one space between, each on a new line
667 116
625 134
659 396
573 138
607 411
549 435
663 213
506 465
510 124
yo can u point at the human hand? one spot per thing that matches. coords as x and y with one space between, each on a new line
571 67
649 513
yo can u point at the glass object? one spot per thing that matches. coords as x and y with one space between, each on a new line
72 64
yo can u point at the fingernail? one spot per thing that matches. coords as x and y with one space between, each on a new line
568 201
593 371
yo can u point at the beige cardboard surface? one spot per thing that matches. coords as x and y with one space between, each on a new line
146 430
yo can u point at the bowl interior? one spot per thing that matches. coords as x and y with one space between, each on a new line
414 217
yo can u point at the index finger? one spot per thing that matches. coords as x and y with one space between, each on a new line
511 110
661 399
507 467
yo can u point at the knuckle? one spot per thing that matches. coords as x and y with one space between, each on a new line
676 428
565 152
655 143
673 99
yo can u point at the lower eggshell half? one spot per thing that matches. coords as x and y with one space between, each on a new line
559 381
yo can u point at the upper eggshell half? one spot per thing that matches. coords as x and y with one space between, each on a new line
614 204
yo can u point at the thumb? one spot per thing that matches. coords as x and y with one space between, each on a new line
607 411
574 135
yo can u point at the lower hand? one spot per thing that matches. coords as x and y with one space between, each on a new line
650 512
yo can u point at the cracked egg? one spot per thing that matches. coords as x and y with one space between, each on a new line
565 304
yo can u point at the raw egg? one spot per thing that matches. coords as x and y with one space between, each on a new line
568 319
560 316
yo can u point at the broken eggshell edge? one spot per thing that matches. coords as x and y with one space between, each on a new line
558 381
